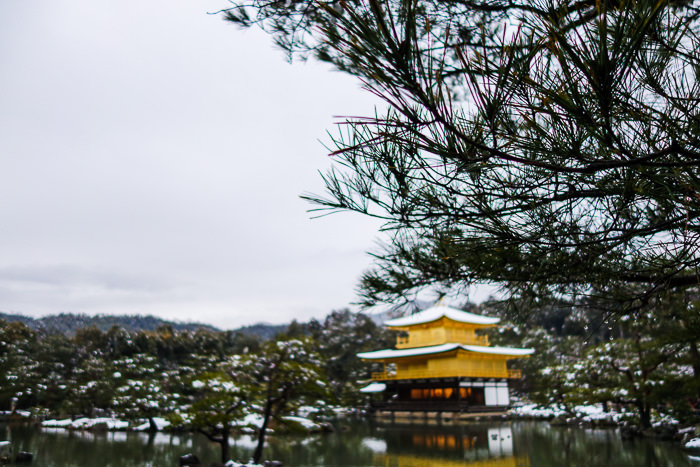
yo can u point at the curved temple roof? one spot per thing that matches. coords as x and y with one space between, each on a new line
436 349
437 312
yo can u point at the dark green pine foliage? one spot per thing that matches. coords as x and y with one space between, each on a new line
342 335
549 147
282 376
646 361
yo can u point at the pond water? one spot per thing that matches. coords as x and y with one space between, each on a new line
361 443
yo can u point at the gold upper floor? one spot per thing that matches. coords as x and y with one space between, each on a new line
438 334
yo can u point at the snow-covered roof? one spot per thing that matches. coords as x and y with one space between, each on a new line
513 351
373 387
439 311
436 349
391 353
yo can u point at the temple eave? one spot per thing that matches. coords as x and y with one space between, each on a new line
392 354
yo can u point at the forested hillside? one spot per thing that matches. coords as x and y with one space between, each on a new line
69 323
646 366
146 373
646 363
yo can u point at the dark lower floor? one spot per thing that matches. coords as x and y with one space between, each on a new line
434 406
443 395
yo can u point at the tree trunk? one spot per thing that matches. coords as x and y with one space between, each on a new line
222 441
644 414
261 435
225 444
695 355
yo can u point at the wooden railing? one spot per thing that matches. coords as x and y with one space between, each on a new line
403 342
481 340
421 374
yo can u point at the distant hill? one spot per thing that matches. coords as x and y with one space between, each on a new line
262 330
68 323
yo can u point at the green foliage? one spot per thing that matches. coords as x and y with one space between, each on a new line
142 388
216 403
203 380
645 361
146 374
282 376
17 343
216 400
271 383
130 373
550 148
339 339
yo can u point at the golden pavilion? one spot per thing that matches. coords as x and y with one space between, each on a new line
441 364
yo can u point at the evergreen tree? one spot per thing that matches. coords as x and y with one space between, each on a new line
218 402
643 362
339 339
17 364
550 147
280 377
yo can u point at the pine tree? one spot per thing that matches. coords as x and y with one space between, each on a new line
548 147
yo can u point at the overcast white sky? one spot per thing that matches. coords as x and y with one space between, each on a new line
151 161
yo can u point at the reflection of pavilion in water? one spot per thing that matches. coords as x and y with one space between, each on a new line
472 445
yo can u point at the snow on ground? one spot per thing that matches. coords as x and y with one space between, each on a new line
583 412
693 444
85 423
111 423
21 413
663 420
159 422
236 464
535 411
255 420
57 423
596 413
306 410
305 422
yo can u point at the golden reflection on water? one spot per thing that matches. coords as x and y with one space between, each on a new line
477 447
443 441
399 460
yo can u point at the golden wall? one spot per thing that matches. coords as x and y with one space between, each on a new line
459 363
440 332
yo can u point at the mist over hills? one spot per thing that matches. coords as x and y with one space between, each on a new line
68 323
